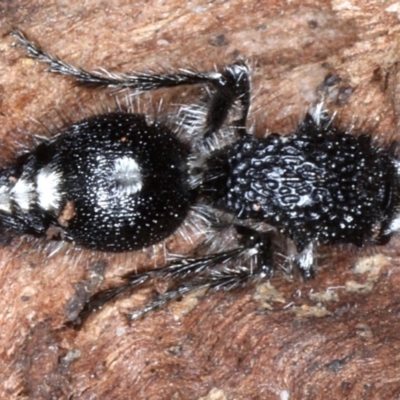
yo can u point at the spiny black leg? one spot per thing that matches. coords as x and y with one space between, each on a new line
140 82
98 300
187 268
159 302
231 84
182 269
234 84
219 271
227 278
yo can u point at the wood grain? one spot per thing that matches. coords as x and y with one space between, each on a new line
334 337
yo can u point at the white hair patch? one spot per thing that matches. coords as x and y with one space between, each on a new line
23 193
127 175
394 225
5 200
48 188
305 259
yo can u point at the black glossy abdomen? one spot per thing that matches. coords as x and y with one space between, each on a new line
107 209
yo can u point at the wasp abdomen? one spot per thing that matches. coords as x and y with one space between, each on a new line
109 182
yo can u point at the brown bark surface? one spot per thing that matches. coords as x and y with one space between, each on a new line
335 337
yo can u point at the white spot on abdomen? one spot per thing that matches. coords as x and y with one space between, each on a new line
5 200
48 184
23 193
123 179
127 175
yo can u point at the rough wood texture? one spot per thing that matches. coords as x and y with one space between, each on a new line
334 337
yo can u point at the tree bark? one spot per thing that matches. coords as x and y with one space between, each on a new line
332 337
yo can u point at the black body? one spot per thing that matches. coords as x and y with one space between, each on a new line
318 184
117 183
